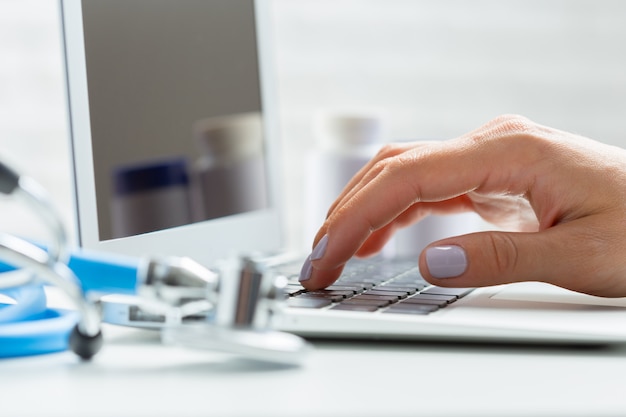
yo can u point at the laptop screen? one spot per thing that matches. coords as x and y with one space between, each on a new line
169 122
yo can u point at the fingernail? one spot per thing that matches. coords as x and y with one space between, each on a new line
318 252
307 268
446 261
320 248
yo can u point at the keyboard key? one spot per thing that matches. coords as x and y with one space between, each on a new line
419 309
392 287
294 289
375 291
362 279
424 301
344 294
388 299
354 288
355 283
416 285
366 301
330 297
459 292
354 307
300 302
445 298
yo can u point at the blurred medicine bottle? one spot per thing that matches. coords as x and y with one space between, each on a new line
344 142
150 196
230 175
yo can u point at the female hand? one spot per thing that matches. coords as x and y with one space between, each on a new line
559 201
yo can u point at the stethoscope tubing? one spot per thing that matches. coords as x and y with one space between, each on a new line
104 274
28 327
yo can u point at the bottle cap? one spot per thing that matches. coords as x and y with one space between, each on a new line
341 131
149 176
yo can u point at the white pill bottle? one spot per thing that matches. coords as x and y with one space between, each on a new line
344 142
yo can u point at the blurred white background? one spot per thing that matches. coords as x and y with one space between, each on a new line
436 68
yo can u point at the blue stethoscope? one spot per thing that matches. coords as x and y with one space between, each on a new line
27 325
169 286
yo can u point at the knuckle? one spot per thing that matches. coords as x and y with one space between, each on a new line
505 127
514 134
513 122
391 166
388 150
505 252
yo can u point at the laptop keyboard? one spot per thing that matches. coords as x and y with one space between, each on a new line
386 286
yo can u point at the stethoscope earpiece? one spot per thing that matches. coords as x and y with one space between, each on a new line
84 345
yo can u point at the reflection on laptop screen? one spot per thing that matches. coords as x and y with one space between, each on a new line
175 112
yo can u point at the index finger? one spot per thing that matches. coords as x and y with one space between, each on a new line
388 151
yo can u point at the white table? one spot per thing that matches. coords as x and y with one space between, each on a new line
134 375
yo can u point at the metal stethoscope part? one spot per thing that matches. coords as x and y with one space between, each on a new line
241 300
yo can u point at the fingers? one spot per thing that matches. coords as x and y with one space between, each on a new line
487 258
425 174
592 265
386 152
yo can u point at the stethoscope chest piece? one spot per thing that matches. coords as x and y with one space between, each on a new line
247 297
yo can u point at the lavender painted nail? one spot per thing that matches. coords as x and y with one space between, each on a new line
446 261
318 252
320 248
307 268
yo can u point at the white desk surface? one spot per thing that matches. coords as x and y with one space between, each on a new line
134 375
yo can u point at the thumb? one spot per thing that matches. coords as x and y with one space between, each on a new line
491 258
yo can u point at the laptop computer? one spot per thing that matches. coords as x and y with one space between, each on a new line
173 122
